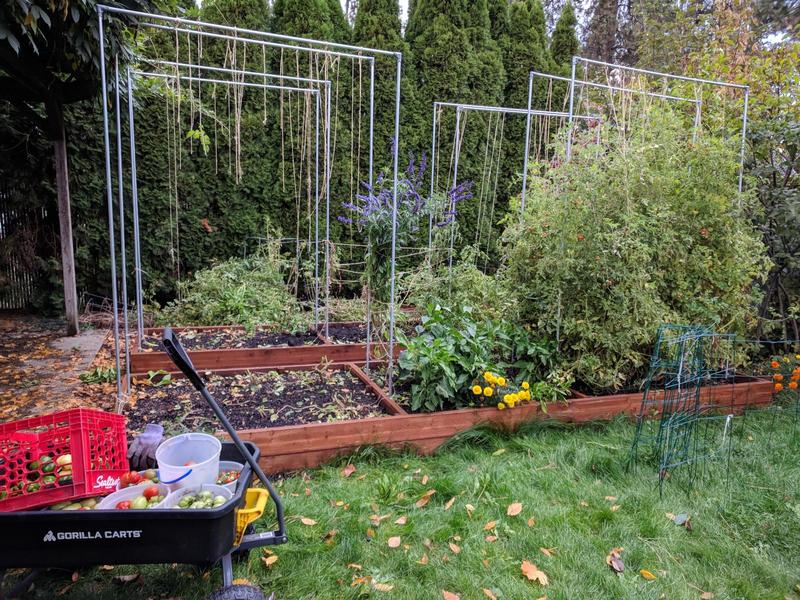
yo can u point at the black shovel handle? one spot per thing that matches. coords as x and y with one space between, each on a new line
179 356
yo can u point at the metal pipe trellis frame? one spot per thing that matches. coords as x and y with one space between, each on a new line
529 112
101 9
134 185
649 72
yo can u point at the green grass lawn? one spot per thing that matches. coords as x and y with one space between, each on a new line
577 500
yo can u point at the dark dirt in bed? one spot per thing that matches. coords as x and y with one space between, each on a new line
219 339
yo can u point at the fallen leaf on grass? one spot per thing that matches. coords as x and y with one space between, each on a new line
423 560
514 509
269 560
548 551
450 503
383 587
75 576
584 503
401 521
124 579
498 452
488 593
307 521
394 541
424 479
427 543
611 498
348 470
454 547
491 538
531 522
424 499
328 539
370 533
532 572
355 566
470 509
376 519
647 575
490 525
450 595
308 491
615 508
361 580
614 560
706 596
107 568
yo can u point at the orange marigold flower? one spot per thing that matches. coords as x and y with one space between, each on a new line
778 387
775 364
778 377
793 385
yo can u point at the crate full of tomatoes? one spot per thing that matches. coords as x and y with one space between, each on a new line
60 457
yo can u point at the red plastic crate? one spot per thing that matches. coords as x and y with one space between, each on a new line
95 439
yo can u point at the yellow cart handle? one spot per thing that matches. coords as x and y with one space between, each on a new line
254 505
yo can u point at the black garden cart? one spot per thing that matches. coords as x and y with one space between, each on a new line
68 539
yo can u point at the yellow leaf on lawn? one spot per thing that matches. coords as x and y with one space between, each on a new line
490 525
394 541
454 547
706 596
491 538
424 479
584 503
241 581
469 509
670 516
360 580
450 595
450 503
308 491
488 593
514 509
548 551
427 543
611 498
615 508
647 575
532 572
531 522
307 521
269 560
424 499
423 560
401 521
383 587
348 470
355 566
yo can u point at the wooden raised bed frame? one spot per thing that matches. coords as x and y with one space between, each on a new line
251 358
305 446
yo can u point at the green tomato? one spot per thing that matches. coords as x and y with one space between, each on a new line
139 503
219 501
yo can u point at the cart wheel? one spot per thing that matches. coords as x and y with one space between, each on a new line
238 592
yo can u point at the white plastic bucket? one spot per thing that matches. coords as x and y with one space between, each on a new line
129 493
175 454
175 497
229 465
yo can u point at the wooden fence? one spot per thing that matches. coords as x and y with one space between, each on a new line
18 278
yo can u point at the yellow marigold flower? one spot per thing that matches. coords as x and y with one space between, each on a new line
507 397
476 389
797 356
501 381
527 395
526 385
487 391
501 406
487 376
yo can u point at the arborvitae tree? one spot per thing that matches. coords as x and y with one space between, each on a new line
601 41
413 24
377 25
564 44
498 16
525 51
248 14
306 18
341 28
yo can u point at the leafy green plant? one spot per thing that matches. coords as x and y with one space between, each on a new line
614 243
99 375
159 378
240 291
452 346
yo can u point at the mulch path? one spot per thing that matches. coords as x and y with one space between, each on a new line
233 338
254 400
39 366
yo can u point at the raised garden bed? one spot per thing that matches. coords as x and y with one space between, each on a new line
305 446
232 337
260 398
